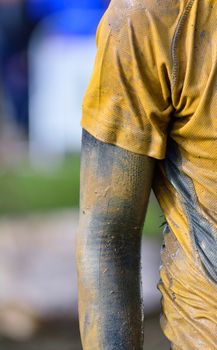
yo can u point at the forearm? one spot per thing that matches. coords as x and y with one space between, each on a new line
114 196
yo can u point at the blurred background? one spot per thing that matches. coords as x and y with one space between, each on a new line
47 50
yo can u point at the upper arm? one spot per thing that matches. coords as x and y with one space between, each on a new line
115 185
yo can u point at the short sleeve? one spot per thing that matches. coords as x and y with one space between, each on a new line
127 102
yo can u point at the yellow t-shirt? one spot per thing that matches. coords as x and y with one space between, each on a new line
153 91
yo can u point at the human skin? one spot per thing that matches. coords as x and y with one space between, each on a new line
115 188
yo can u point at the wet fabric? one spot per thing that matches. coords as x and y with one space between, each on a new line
153 91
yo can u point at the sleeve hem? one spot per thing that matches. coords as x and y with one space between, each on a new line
139 146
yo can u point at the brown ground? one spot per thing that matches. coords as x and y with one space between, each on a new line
40 283
66 337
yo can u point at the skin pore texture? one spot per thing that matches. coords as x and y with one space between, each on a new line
115 188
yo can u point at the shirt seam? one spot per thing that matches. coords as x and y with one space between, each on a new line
176 36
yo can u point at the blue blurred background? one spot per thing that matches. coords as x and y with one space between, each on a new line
47 51
46 48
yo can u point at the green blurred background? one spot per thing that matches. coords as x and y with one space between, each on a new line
25 189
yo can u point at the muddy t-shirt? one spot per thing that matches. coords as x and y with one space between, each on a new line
153 91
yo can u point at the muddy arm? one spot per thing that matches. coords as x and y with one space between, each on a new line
115 188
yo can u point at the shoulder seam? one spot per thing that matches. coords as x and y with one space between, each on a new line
179 27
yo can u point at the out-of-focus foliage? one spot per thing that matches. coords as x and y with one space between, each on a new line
154 219
25 189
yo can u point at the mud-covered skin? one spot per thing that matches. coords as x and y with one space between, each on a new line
115 187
